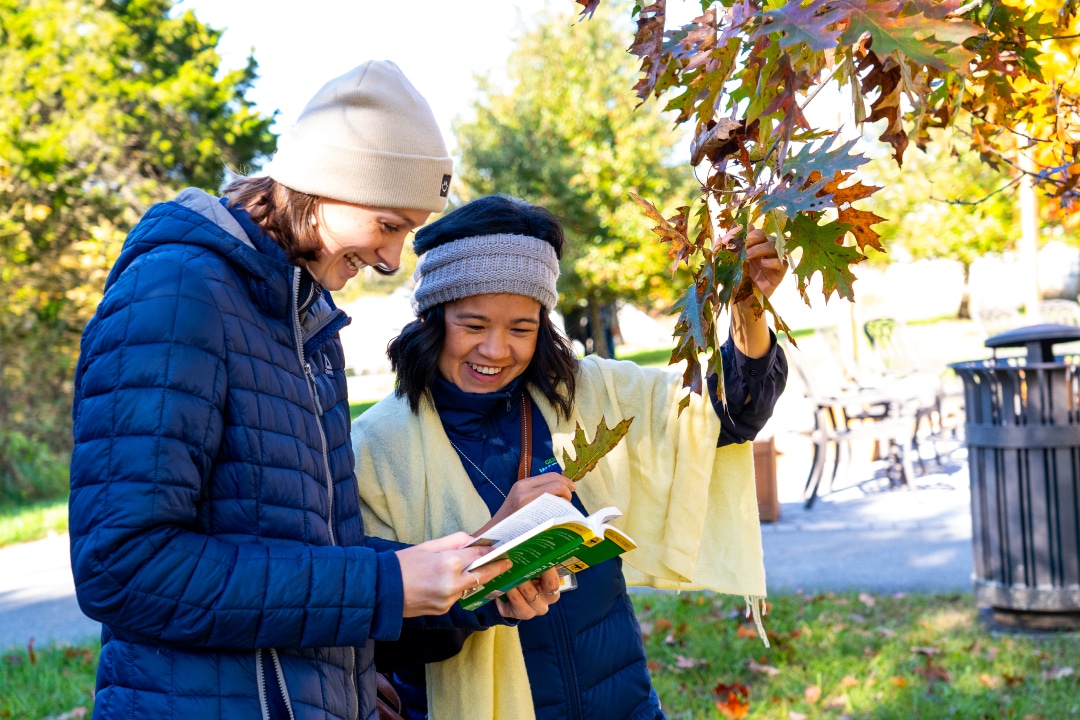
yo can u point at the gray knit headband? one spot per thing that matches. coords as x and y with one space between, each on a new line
518 264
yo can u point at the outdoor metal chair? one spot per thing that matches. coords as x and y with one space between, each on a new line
846 416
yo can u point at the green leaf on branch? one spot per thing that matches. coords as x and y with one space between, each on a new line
823 253
586 453
926 40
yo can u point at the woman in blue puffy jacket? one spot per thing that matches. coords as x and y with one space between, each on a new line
214 518
485 380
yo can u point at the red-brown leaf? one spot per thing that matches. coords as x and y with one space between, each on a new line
734 699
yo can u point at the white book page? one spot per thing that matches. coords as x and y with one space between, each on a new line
544 508
603 516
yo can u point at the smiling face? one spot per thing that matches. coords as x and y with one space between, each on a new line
490 340
356 236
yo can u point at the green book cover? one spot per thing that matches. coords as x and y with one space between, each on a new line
549 531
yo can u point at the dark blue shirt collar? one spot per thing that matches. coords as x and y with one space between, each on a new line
465 413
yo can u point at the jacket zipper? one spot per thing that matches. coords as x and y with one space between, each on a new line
281 682
309 379
563 641
264 705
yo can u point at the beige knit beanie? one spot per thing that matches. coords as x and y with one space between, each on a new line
369 138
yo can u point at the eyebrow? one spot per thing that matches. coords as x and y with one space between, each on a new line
401 218
477 316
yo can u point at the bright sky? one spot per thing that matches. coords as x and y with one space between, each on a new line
440 45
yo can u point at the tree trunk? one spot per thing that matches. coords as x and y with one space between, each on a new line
598 330
964 311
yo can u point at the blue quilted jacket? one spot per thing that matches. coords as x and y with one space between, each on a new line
215 528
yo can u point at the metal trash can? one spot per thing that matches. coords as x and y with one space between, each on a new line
1023 437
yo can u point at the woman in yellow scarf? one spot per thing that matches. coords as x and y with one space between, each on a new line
482 367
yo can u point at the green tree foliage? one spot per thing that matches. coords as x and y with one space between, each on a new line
945 205
567 136
106 106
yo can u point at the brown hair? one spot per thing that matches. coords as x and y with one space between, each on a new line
283 213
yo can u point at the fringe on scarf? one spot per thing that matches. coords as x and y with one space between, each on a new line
755 607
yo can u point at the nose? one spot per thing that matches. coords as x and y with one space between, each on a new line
390 254
494 346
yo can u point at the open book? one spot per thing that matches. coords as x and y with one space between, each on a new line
547 532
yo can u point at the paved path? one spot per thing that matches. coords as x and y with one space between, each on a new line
37 596
860 536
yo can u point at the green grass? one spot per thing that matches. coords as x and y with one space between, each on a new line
859 656
866 657
32 522
48 682
356 408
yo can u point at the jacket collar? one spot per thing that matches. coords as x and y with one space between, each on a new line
465 413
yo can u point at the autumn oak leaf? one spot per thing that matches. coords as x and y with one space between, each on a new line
823 254
926 40
734 699
586 453
815 25
671 230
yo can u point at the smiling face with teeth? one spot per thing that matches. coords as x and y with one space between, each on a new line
490 340
356 236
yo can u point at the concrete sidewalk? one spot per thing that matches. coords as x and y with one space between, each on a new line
864 535
860 536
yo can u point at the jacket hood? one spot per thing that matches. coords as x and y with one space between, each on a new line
196 218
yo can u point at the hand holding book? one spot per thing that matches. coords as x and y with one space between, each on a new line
547 533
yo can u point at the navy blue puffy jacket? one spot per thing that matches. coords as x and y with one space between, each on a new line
215 527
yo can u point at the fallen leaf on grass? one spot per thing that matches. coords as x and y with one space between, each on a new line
746 631
1056 673
646 629
933 673
899 681
867 599
812 694
82 654
763 668
886 632
1012 680
73 714
734 699
836 703
663 624
792 715
856 618
30 652
925 650
685 663
848 681
989 681
655 666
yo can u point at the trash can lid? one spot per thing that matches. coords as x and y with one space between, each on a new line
1037 338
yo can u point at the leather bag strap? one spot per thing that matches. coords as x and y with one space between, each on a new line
526 437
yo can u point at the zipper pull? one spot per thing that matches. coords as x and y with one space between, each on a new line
314 389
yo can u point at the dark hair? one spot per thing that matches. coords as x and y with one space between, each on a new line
285 214
414 354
